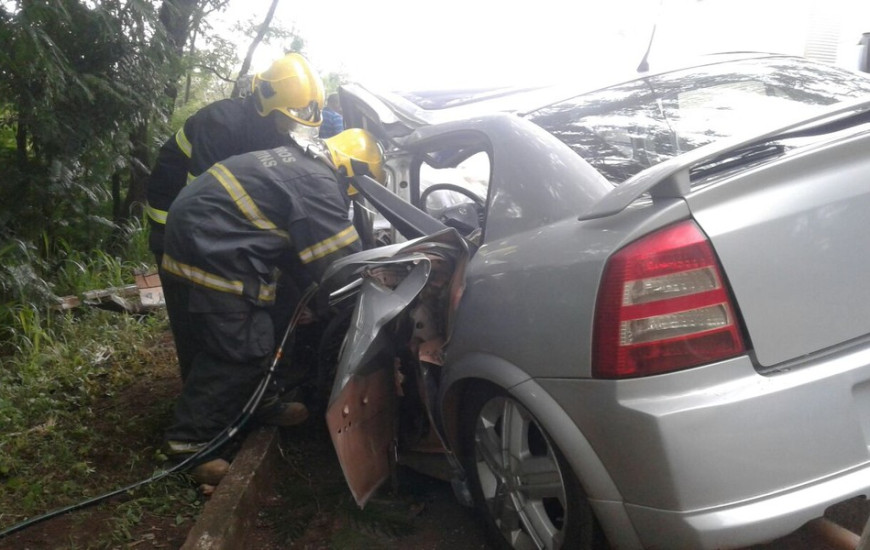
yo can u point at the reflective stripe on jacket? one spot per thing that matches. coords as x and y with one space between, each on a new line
234 225
216 132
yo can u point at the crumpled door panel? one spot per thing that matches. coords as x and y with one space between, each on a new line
361 412
361 415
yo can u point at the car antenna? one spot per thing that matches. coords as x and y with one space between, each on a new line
644 62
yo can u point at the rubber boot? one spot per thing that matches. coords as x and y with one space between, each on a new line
211 472
284 414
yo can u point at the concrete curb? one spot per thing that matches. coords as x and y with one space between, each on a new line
230 513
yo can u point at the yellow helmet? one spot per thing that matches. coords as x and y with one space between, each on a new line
291 87
358 153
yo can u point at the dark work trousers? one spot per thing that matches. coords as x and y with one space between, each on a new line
286 298
231 352
175 295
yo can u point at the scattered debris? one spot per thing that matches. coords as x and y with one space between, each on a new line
150 289
143 296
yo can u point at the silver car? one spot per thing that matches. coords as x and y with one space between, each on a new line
635 315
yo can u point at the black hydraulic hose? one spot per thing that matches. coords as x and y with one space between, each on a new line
228 433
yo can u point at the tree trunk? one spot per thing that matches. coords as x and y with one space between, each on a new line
21 145
261 32
140 163
188 78
175 16
116 197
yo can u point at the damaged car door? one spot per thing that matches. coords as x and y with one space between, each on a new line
401 297
388 375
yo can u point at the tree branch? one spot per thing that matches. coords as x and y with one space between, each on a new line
215 72
261 32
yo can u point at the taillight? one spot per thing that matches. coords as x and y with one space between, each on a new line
663 306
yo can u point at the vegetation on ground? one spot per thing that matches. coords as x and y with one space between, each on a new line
89 90
85 394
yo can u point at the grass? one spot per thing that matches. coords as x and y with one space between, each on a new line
78 416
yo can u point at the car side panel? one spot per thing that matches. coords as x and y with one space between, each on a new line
530 298
700 448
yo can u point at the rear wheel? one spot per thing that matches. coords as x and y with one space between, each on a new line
521 484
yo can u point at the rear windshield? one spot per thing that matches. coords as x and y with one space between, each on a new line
628 128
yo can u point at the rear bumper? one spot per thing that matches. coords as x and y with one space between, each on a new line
747 523
720 456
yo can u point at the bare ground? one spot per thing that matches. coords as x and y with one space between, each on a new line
310 508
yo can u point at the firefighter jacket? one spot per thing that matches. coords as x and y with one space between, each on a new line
231 227
217 131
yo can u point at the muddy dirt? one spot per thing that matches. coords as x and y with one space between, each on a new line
158 515
310 508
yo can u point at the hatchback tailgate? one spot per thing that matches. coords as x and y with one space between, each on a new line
792 237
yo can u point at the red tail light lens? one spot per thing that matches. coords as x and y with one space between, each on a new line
663 306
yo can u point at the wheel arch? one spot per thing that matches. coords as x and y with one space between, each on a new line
475 371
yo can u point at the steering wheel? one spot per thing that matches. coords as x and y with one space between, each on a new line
462 217
451 187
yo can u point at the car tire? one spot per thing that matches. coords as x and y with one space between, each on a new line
522 486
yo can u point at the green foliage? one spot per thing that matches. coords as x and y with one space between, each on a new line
168 497
48 387
60 368
332 80
182 112
289 39
83 107
76 78
209 70
33 277
133 240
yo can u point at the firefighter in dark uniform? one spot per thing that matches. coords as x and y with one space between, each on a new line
284 106
228 234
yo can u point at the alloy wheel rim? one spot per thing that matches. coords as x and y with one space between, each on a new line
520 477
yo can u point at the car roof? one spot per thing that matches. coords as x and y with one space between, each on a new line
437 106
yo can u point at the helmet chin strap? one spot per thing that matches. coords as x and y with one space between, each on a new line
316 149
302 134
307 139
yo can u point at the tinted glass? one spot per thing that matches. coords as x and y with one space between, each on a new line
627 128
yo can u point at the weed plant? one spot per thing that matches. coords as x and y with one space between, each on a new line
58 369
